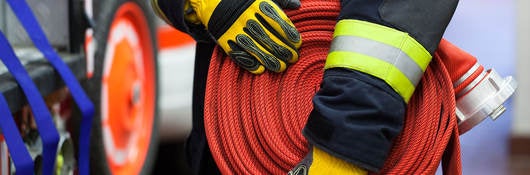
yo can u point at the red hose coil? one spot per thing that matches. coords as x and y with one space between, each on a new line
253 123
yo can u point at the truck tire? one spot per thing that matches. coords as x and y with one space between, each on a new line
124 88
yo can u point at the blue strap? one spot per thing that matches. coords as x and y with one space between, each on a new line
17 149
36 34
47 130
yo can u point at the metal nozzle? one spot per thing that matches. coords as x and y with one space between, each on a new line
484 99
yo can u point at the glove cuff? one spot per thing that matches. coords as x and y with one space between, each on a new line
325 163
204 9
190 15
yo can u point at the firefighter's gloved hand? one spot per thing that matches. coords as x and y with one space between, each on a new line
318 161
256 34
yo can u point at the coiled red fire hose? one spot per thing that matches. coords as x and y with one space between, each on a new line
253 123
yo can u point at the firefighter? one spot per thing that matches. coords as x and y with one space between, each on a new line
377 57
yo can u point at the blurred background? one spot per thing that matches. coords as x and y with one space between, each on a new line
495 31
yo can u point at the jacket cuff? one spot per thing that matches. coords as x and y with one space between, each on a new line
355 118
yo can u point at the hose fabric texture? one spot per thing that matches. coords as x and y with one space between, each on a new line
253 123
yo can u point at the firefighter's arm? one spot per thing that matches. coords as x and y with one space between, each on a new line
256 34
377 57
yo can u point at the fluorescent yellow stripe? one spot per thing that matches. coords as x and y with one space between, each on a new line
375 67
417 52
385 35
383 52
358 45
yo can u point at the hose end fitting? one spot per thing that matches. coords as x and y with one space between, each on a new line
482 99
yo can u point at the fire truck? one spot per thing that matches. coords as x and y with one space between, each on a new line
109 49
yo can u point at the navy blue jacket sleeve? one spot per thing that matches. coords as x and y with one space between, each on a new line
357 116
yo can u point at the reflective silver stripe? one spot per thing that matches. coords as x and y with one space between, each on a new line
466 75
382 51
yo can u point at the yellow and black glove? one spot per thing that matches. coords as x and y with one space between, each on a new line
256 34
318 162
